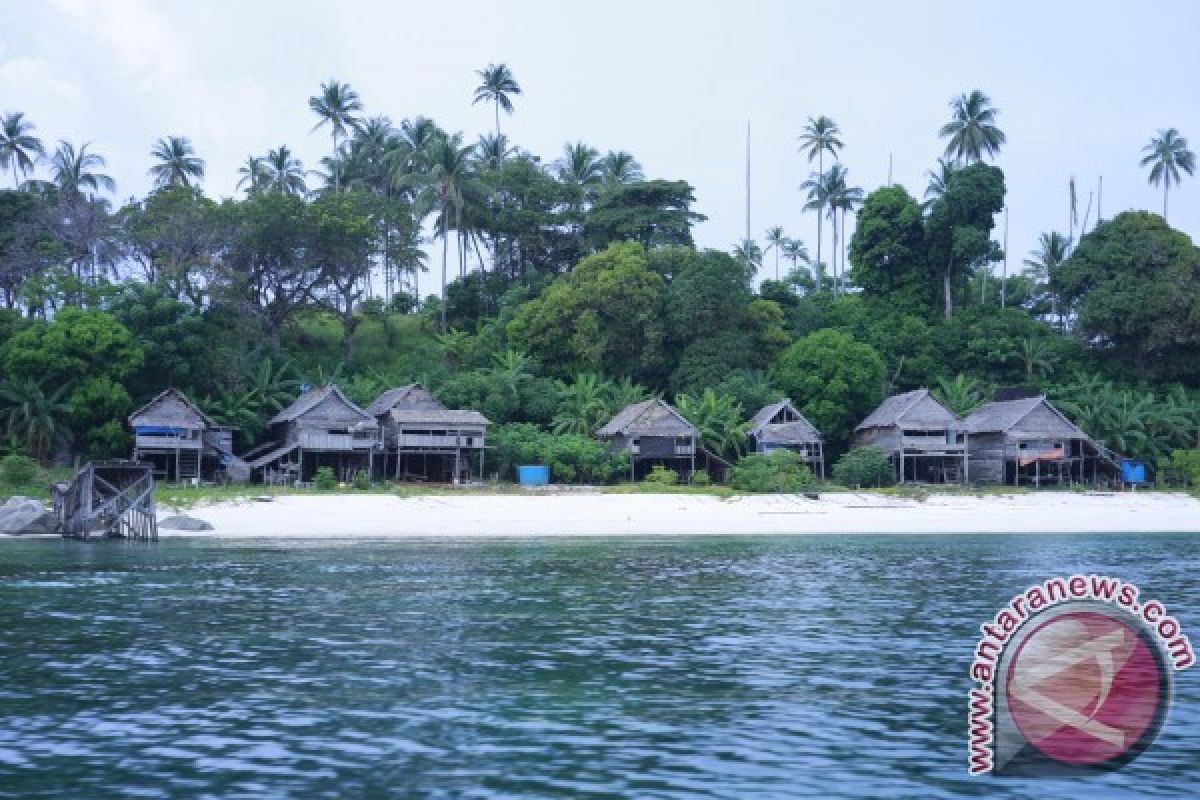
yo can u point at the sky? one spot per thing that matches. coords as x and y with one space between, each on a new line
1080 87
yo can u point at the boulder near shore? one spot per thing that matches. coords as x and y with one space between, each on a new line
23 516
182 522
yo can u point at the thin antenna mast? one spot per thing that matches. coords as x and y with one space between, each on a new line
749 264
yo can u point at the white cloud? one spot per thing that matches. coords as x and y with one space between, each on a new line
25 79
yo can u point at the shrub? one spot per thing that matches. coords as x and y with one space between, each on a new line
362 481
572 458
662 476
701 478
778 471
1183 467
324 478
864 466
18 470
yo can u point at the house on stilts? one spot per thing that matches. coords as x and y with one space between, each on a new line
923 439
780 426
180 443
321 428
652 433
423 440
1027 441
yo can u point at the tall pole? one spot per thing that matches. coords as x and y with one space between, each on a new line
749 265
1099 199
889 169
1004 276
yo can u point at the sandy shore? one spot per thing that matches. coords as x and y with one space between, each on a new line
609 514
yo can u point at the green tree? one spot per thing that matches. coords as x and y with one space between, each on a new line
74 170
177 164
864 466
336 106
1043 264
33 417
835 379
606 315
584 404
496 86
961 394
958 228
888 252
254 174
285 172
19 148
652 213
443 188
619 168
1166 155
720 420
780 472
820 136
1133 283
972 130
776 239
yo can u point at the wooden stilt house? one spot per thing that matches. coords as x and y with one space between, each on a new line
180 443
424 440
780 426
1029 441
652 432
321 428
923 438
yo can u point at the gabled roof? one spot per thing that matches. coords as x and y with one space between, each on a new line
918 408
797 430
171 408
314 398
438 416
1002 416
412 395
652 417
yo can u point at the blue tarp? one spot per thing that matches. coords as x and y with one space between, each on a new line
159 429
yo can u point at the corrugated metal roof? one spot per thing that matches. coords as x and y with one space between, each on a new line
652 417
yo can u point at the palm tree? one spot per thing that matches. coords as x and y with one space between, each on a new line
972 130
619 167
820 136
511 370
1044 261
178 164
286 172
749 253
496 83
335 106
1036 357
74 170
19 148
580 166
583 404
255 174
939 180
34 417
442 188
795 251
493 150
840 197
818 197
775 241
718 417
962 395
1166 155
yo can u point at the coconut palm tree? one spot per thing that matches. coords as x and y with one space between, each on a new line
583 404
840 198
962 395
718 417
19 148
496 83
580 167
255 174
775 241
619 167
493 150
177 164
1051 252
939 180
33 416
795 251
336 106
818 198
1166 155
74 170
285 172
972 130
820 136
749 253
442 188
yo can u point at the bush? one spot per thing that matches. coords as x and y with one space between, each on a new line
18 470
325 479
701 478
662 476
1183 467
777 471
864 466
362 481
572 458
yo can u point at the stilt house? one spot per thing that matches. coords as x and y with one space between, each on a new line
652 432
780 426
321 428
180 443
1029 441
923 438
424 440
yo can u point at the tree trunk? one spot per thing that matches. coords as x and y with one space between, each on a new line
445 236
949 300
1166 188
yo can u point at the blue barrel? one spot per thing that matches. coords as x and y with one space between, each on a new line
1133 471
535 475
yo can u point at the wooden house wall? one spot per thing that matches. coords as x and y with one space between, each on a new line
986 453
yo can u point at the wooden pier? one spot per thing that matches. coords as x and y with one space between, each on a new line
111 499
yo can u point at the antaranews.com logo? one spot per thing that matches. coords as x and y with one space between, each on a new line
1074 675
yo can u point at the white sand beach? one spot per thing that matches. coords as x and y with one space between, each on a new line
586 514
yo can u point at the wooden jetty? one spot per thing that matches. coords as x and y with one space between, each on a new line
112 499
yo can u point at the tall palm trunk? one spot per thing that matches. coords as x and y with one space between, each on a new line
834 232
445 246
1166 188
820 214
337 183
496 105
949 300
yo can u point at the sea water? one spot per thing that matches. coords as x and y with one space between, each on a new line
731 667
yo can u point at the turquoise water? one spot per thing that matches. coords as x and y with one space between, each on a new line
707 667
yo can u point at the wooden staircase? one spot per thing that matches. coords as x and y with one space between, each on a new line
112 499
